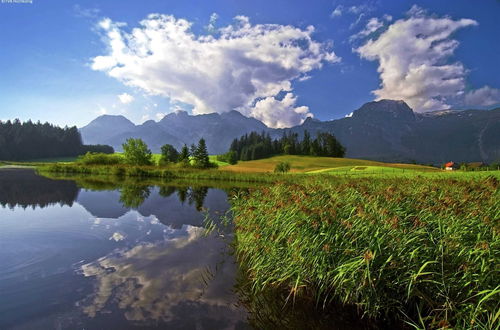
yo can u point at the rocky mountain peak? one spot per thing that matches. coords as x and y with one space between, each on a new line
385 109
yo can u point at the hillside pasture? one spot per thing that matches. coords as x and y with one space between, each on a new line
309 164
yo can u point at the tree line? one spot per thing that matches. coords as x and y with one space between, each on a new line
28 140
256 146
196 155
137 152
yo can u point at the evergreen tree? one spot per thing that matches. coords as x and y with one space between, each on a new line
200 155
192 150
305 145
184 155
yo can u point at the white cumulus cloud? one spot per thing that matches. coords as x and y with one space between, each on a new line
414 60
125 98
280 113
235 68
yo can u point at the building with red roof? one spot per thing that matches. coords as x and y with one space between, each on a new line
450 166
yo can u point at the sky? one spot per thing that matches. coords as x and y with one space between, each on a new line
280 61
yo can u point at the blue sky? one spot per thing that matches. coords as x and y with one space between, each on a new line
58 64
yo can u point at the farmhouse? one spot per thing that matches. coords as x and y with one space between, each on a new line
450 166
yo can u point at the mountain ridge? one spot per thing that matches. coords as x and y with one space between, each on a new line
385 130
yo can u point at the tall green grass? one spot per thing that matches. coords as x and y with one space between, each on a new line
425 250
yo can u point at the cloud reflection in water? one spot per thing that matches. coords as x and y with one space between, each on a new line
184 277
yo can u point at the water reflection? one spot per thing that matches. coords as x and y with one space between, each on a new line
184 280
108 199
134 195
96 254
26 189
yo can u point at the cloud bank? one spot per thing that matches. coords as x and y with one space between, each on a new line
484 96
243 66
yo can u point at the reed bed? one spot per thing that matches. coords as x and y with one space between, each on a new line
422 250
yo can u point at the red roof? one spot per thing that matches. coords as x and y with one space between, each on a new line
449 164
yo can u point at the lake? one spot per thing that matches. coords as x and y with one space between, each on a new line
86 255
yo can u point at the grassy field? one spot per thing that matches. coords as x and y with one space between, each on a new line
422 249
302 164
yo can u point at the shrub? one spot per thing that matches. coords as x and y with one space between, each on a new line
282 167
91 158
98 148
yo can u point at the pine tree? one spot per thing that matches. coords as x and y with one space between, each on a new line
184 155
200 155
305 146
192 150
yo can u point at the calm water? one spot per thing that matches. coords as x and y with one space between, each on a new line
113 257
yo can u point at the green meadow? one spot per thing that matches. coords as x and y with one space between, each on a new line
310 164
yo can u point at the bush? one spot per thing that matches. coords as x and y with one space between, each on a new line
98 148
136 152
282 167
92 158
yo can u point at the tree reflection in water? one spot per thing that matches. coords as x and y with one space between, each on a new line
182 193
23 187
134 195
197 196
166 191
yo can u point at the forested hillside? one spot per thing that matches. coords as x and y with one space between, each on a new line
28 140
256 146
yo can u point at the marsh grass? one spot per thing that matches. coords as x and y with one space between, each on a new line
422 249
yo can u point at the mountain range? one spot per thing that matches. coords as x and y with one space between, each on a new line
385 130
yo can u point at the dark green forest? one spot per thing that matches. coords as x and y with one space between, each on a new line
28 140
257 146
